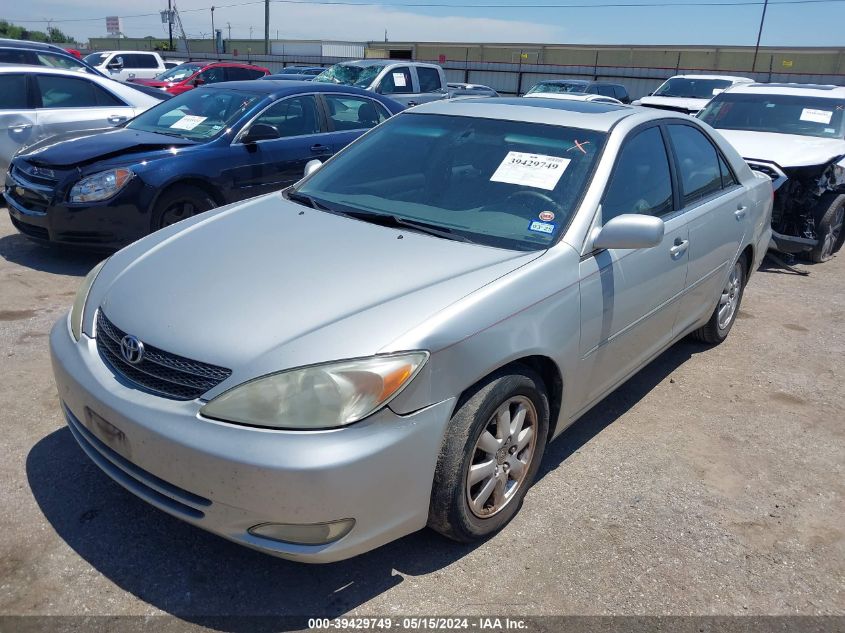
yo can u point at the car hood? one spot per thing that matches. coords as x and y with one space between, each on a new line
88 146
268 284
155 83
690 105
786 150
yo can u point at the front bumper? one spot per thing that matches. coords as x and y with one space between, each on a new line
40 212
227 478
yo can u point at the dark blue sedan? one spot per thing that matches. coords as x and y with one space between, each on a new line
199 150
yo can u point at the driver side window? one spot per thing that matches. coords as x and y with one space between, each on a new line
641 180
295 116
396 81
213 75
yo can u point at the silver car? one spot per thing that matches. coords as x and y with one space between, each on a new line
391 342
37 102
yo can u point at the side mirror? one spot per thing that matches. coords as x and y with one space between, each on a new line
198 81
261 132
311 166
115 64
630 230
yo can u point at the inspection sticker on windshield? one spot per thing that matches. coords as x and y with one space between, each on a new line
188 122
816 116
399 80
531 170
542 227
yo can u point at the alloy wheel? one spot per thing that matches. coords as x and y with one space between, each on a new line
729 300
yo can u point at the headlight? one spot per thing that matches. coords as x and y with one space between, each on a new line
100 186
318 397
81 297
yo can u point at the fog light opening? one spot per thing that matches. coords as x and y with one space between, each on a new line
309 534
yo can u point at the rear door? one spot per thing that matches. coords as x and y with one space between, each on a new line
140 65
349 116
67 104
718 210
18 121
273 164
629 298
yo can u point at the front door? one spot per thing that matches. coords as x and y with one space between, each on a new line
629 297
18 123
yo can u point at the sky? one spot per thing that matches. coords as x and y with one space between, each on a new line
809 23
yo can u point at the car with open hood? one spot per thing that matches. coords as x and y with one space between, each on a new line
196 151
391 342
689 93
795 135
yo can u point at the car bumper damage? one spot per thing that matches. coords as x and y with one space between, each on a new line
310 496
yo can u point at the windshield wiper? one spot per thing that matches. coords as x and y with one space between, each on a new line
301 198
388 219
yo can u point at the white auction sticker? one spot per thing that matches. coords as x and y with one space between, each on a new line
531 170
188 122
399 80
816 116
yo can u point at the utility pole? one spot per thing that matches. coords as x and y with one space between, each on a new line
759 35
229 26
266 27
250 33
170 25
213 32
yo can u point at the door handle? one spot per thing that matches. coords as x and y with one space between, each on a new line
317 147
740 212
679 248
411 104
20 127
116 118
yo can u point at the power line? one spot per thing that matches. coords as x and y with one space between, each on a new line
442 5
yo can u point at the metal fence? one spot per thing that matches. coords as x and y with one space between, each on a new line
518 78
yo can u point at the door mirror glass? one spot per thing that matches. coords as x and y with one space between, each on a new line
630 230
261 132
311 166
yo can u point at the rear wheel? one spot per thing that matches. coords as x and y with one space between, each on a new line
490 456
179 203
721 321
830 218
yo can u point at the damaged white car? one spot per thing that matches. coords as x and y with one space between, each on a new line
795 134
689 93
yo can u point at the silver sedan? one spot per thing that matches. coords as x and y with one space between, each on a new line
392 342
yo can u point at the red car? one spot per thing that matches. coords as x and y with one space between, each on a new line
74 52
189 75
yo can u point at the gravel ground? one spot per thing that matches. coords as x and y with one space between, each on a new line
710 484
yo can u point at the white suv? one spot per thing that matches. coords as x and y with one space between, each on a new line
795 134
689 93
126 65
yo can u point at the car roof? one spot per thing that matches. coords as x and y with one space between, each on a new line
44 70
728 77
385 62
588 115
804 90
564 81
27 44
279 87
123 52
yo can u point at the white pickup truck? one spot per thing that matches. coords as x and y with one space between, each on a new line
126 65
409 83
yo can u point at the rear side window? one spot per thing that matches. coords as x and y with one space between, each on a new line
396 81
620 93
353 113
66 92
429 79
698 163
641 181
13 92
139 60
11 56
606 90
242 74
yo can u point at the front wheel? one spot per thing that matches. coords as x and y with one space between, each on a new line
490 456
830 218
721 321
179 203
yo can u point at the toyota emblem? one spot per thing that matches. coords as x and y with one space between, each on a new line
131 349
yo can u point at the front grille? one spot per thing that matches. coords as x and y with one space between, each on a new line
159 372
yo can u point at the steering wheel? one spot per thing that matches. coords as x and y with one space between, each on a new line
527 195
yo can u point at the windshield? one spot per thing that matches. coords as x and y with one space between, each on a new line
692 88
575 86
784 114
506 184
350 75
198 115
95 59
178 73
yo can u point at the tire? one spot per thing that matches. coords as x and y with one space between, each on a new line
179 203
451 513
829 215
717 329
